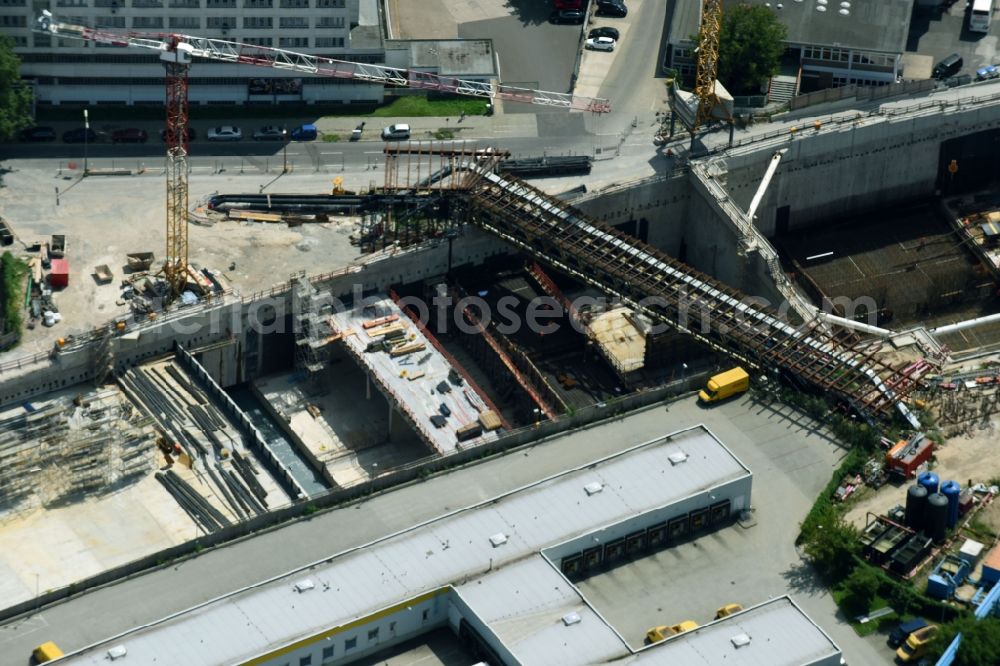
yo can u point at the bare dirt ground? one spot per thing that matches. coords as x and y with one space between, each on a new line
106 218
971 457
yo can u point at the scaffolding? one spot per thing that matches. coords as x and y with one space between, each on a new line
313 332
69 448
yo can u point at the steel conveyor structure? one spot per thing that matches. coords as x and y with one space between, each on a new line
650 281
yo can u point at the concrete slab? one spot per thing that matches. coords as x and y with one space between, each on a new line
348 436
412 381
62 545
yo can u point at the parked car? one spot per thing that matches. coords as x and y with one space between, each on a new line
903 630
305 133
570 16
79 135
916 644
988 72
225 133
603 32
38 134
397 132
269 133
129 135
949 66
615 8
191 134
601 44
657 634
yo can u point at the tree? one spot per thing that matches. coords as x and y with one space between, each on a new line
980 641
860 588
750 46
830 543
15 98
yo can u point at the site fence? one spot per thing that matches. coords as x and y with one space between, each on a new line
861 93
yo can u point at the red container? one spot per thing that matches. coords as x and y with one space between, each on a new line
59 275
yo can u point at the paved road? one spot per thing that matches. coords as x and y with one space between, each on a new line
806 461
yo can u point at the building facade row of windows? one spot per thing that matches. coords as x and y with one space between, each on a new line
194 81
193 23
329 651
192 4
131 58
846 55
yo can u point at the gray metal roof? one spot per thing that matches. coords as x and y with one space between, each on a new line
448 57
779 633
871 25
455 547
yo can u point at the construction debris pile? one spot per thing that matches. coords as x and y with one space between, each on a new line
70 447
203 442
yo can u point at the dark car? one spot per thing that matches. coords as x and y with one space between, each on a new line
571 16
80 135
191 134
949 66
603 32
130 135
38 134
614 8
904 629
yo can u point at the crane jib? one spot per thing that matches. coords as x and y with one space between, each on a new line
291 61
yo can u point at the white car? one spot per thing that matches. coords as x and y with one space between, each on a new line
225 133
601 44
397 132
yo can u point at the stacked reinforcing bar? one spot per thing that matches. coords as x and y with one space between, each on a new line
70 447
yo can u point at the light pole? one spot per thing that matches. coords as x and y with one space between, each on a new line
284 150
86 137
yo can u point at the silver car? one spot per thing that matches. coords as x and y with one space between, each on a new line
225 133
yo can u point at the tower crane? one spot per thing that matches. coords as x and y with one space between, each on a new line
177 51
706 90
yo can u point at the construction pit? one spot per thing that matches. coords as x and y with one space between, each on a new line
910 264
88 483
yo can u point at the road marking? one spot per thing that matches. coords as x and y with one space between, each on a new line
28 625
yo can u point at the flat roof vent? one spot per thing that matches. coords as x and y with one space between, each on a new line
498 539
594 488
117 652
304 585
740 640
677 458
571 618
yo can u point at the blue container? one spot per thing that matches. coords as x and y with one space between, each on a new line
951 490
930 481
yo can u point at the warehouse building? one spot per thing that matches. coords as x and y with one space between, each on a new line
494 574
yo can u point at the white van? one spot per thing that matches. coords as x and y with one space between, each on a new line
396 132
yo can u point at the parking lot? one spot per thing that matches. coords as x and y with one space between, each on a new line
937 34
741 563
532 52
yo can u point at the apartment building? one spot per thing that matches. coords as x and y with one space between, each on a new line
67 71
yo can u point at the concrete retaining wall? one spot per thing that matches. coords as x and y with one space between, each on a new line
871 163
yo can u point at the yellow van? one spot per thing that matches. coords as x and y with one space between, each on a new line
724 385
46 652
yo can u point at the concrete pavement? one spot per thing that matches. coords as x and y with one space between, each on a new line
801 456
